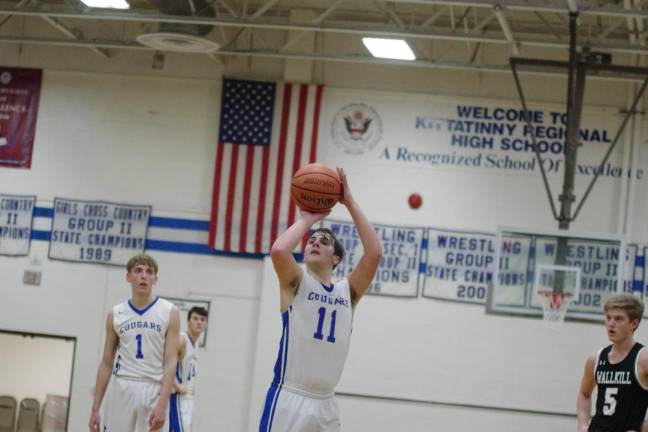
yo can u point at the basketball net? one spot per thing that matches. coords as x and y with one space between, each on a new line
554 307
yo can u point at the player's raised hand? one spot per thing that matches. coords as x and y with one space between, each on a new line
347 198
95 421
313 217
157 417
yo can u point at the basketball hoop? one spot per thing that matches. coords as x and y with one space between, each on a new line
554 306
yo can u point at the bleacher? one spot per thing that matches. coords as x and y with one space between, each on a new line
27 416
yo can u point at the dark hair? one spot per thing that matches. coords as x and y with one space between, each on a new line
338 249
199 310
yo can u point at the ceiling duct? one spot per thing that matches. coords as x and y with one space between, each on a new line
178 36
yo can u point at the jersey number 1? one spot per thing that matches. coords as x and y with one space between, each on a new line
320 324
139 354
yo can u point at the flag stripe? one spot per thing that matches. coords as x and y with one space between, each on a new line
239 199
312 156
249 160
254 198
288 159
285 115
215 191
299 141
258 246
316 116
230 196
222 197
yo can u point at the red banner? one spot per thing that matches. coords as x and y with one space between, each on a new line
19 95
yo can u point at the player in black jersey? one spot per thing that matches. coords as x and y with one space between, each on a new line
620 371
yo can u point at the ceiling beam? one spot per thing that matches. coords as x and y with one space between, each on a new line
344 58
73 33
506 29
263 9
330 27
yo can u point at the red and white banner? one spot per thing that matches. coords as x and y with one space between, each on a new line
19 96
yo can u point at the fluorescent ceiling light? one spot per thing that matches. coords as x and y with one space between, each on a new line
389 48
112 4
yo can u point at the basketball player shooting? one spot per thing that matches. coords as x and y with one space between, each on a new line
620 371
143 333
317 317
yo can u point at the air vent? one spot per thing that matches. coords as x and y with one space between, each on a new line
167 41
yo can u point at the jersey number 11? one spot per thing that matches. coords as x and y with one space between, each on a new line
320 324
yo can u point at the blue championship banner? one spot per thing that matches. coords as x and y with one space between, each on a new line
16 216
398 272
98 231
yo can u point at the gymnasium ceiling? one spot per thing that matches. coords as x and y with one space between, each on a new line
278 28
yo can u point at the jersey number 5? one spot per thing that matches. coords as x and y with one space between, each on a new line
610 401
320 324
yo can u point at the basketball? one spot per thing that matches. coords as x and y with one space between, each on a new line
316 188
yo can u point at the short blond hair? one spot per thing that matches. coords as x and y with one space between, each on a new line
142 259
630 303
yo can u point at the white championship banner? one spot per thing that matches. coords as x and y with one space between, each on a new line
16 216
598 264
398 272
459 265
98 231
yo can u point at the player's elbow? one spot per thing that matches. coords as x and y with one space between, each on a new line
374 254
277 251
583 396
106 362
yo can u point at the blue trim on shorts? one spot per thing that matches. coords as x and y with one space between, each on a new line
178 374
279 375
175 417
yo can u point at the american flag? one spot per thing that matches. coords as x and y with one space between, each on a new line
267 131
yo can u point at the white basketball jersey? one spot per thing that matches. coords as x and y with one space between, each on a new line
186 369
316 337
142 333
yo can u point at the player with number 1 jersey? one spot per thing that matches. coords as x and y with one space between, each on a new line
140 351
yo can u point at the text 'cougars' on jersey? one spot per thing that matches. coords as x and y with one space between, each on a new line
140 325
